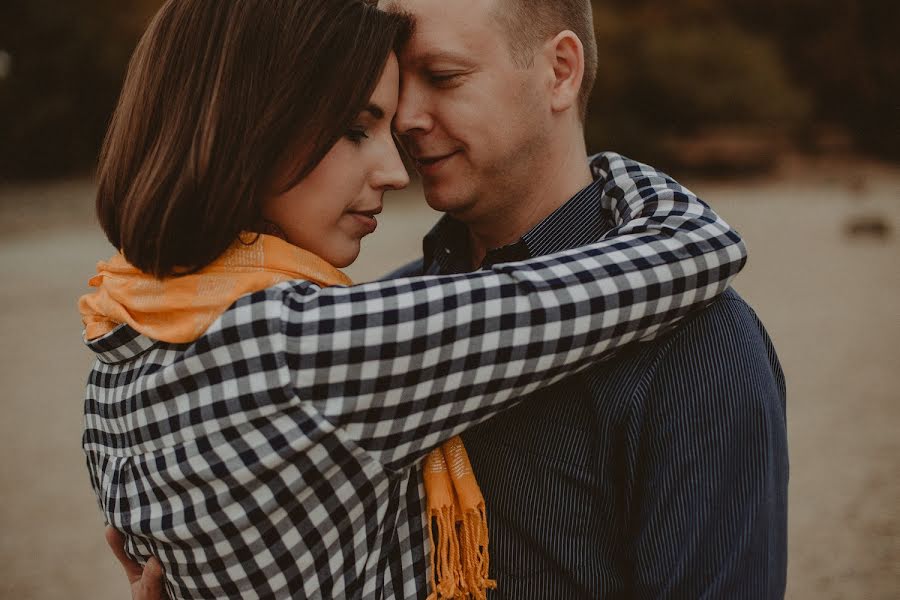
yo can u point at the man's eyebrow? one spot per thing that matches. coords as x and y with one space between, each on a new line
432 56
376 111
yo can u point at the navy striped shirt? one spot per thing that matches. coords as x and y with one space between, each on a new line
662 474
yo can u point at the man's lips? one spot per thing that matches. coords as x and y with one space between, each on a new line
430 165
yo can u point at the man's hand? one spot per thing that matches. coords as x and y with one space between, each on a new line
146 583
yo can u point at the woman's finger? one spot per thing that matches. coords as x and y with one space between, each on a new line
116 542
151 580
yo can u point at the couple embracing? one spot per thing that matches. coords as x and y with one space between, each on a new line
561 399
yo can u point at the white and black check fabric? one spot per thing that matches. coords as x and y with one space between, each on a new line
271 457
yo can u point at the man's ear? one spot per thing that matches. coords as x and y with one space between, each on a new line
566 55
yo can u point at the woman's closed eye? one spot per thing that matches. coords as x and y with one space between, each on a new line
357 134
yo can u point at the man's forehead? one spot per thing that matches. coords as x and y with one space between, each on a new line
446 29
429 8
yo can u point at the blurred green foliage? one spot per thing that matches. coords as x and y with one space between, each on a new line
845 54
670 71
66 64
680 71
766 69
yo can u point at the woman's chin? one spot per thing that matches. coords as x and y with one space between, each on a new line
341 260
338 255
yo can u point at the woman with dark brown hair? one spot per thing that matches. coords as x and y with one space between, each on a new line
252 419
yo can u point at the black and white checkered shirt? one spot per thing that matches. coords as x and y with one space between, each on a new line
271 457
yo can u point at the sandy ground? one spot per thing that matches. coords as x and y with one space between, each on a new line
829 300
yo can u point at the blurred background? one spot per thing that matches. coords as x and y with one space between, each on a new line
784 115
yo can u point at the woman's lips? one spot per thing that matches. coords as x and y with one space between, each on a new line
366 221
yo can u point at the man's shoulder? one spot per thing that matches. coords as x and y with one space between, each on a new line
719 342
723 347
727 328
727 320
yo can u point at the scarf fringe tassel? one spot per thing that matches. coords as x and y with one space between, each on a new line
460 560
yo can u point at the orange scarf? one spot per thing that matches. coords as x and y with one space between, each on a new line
459 559
181 309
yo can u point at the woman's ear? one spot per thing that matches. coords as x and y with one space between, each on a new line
566 54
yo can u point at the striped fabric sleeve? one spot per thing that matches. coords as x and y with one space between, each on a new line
402 365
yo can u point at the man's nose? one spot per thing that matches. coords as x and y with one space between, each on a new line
412 113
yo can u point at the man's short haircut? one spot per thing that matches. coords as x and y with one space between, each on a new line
531 22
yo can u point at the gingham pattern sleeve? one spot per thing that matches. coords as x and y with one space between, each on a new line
400 366
266 459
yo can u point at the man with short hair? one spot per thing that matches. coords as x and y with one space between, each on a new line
662 474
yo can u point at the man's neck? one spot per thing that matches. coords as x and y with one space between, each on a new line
549 187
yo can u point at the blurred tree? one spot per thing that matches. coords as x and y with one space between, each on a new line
681 69
846 53
669 70
67 60
679 66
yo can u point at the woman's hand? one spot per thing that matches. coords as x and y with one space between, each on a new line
146 583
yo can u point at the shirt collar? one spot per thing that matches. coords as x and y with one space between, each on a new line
445 249
578 222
